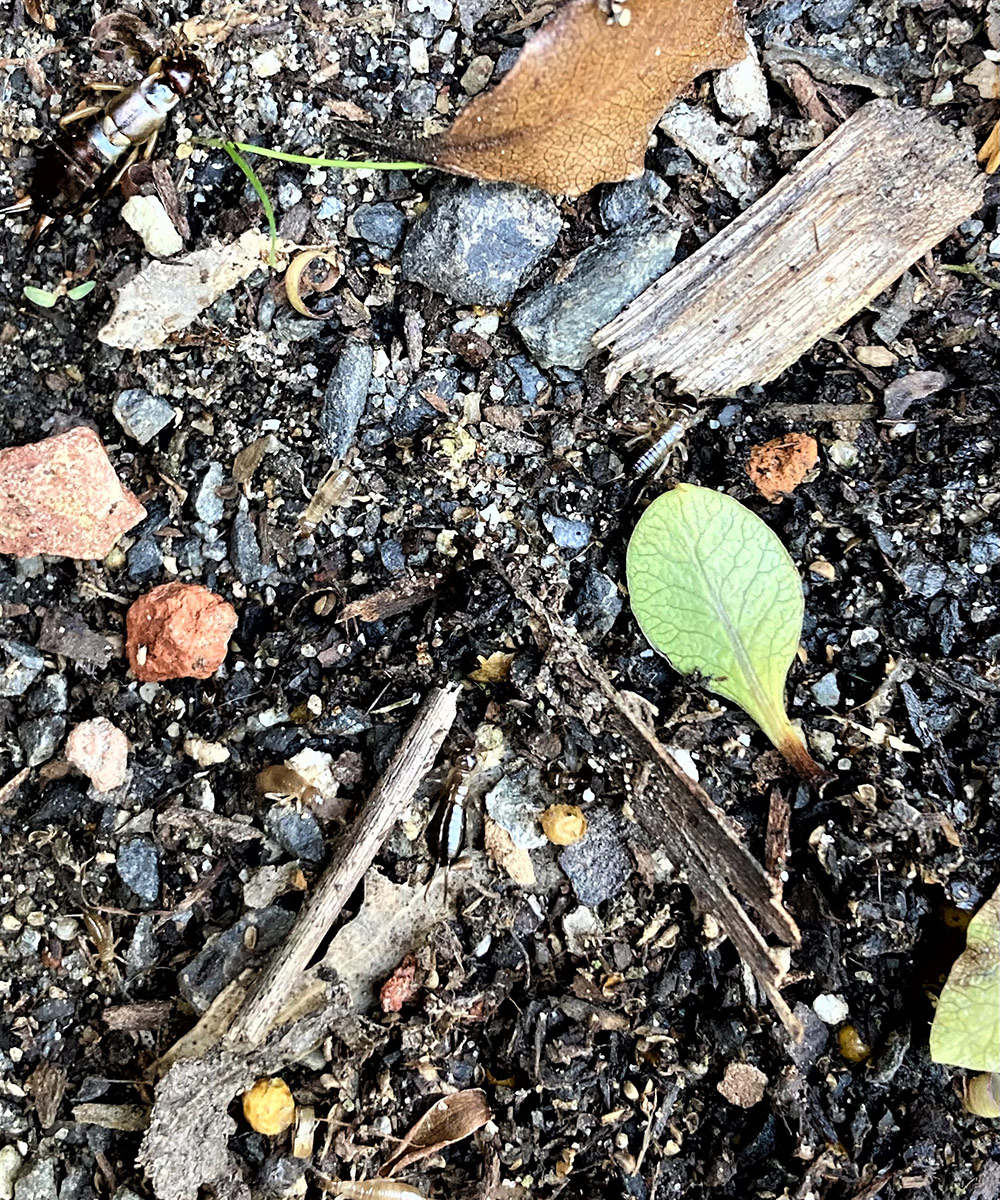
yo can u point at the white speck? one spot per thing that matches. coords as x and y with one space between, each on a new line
831 1009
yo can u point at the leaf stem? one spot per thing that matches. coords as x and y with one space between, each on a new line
308 160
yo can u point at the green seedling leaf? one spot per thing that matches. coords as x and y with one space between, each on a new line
966 1029
40 297
81 290
714 590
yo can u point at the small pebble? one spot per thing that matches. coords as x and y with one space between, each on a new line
99 750
20 666
10 1167
141 414
265 65
742 1085
139 869
826 690
831 1009
177 631
599 865
151 221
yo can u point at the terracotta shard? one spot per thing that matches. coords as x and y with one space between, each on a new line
580 103
61 496
178 631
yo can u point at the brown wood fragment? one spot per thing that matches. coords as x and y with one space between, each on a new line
150 1015
400 596
348 864
675 812
776 840
798 264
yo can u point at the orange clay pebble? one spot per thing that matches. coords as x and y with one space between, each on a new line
852 1045
564 824
268 1107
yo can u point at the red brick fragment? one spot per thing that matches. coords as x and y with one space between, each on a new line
778 467
178 631
62 496
400 988
99 750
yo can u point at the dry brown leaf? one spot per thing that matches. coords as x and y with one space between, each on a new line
450 1120
499 845
579 105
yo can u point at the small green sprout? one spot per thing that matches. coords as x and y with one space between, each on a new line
46 299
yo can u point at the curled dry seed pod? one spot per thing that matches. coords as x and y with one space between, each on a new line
305 1132
982 1096
297 281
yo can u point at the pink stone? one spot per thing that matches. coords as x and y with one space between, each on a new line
178 631
62 496
99 750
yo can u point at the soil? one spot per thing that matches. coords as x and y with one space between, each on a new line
601 1056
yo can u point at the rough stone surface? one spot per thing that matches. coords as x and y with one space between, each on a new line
20 666
141 414
178 631
61 496
296 830
139 869
599 864
345 396
478 242
380 224
231 953
39 738
99 750
558 321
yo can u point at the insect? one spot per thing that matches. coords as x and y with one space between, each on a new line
369 1189
446 830
101 933
668 429
82 164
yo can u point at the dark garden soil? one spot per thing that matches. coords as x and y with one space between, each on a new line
599 1039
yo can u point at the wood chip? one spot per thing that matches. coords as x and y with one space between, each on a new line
803 260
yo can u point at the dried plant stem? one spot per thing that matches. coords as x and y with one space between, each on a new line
350 860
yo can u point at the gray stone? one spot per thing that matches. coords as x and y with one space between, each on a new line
20 666
599 864
567 533
145 560
392 556
37 1181
622 203
244 549
380 224
208 504
922 578
598 605
984 549
516 803
345 396
144 948
533 382
296 830
228 955
478 242
139 869
141 414
40 737
831 15
558 322
50 695
826 690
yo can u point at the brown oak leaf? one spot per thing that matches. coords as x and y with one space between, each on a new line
579 104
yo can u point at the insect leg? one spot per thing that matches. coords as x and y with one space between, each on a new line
19 206
80 114
147 150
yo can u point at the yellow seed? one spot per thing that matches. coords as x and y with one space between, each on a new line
268 1106
564 824
982 1096
852 1045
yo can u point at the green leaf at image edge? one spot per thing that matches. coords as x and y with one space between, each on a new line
714 590
966 1029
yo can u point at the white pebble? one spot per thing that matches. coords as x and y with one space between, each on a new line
831 1009
265 65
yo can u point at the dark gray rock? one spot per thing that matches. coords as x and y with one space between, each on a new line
68 634
244 549
829 16
40 737
145 560
345 396
20 666
478 242
598 605
61 801
984 549
49 696
567 533
922 577
623 203
228 955
296 830
139 869
141 414
599 864
208 504
380 224
37 1181
533 382
559 320
413 410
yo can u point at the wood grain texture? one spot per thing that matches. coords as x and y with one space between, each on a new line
834 233
350 860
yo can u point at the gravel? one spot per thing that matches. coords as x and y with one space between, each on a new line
138 865
141 414
479 242
345 396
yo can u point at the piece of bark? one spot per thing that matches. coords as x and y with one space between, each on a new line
351 859
798 264
678 814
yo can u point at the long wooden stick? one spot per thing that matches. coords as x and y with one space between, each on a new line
350 860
